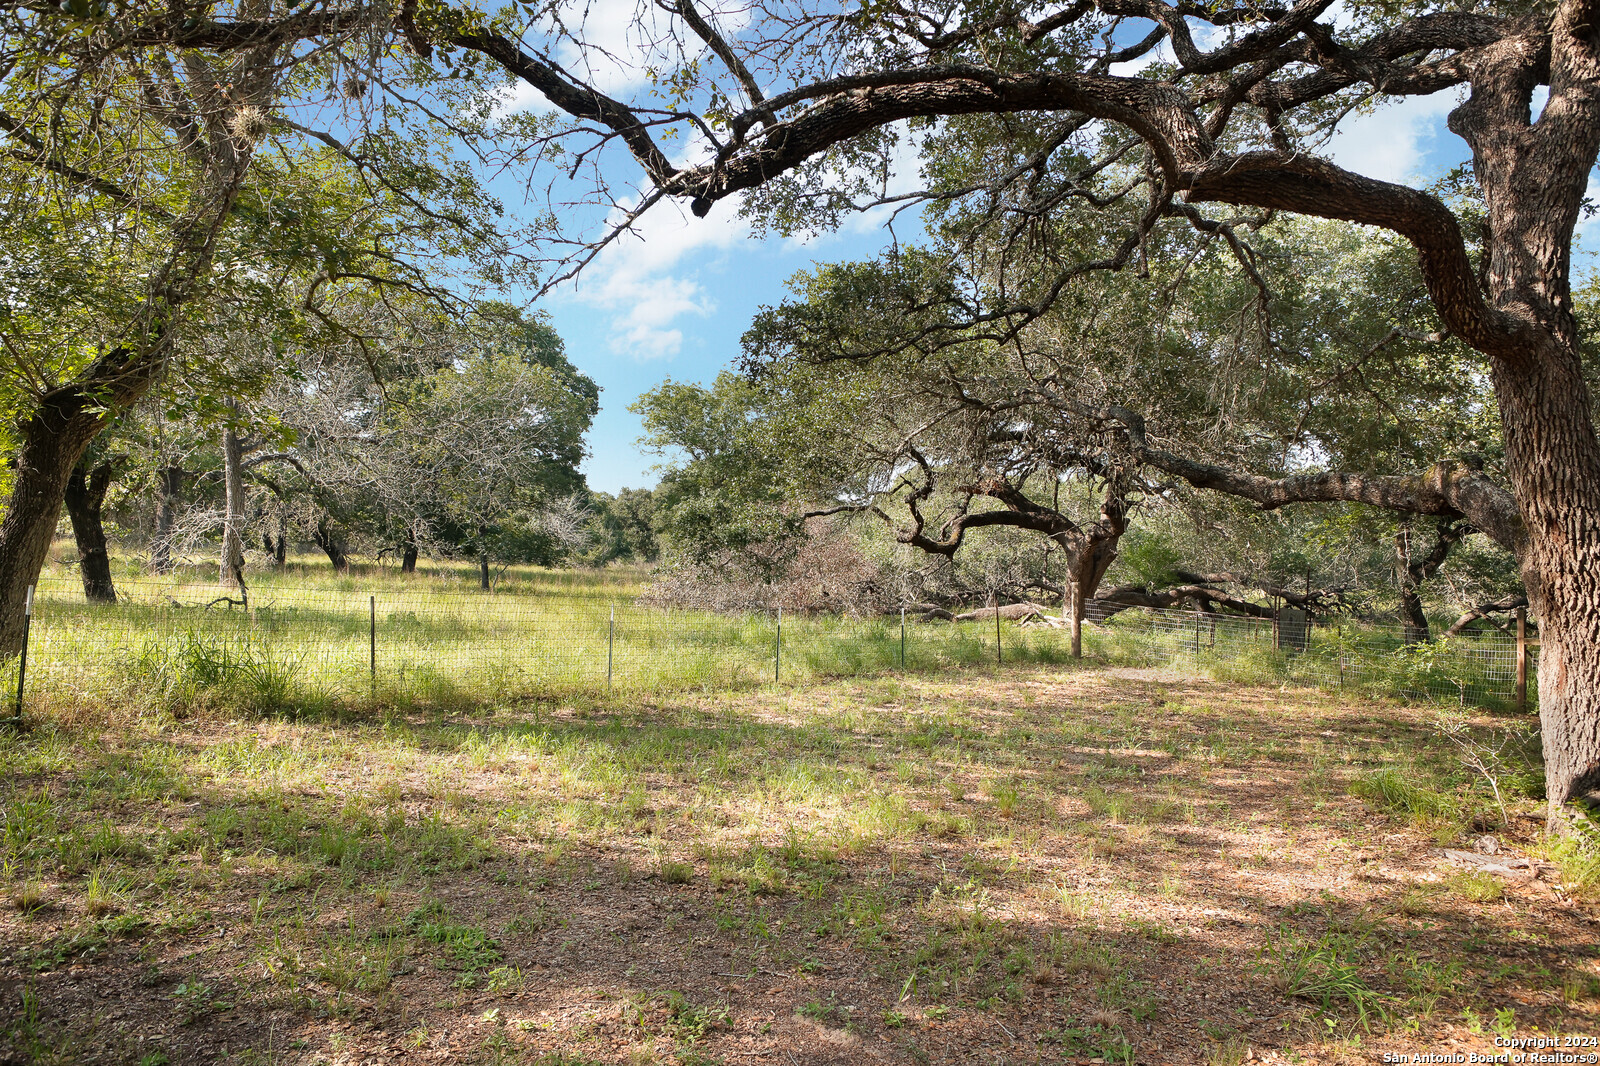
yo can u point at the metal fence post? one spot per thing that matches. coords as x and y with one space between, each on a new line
611 643
1522 661
902 638
372 640
22 658
777 648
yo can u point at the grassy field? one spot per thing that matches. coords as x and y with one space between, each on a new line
1035 864
312 642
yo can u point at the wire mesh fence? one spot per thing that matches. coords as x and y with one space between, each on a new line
1480 670
175 642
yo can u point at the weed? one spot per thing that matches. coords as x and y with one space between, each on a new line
1231 1051
1321 972
828 1014
1392 789
98 900
676 873
359 964
1477 886
196 999
1074 904
1091 959
470 948
504 979
1579 988
686 1021
1006 798
1577 852
30 897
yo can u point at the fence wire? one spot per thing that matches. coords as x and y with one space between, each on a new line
1479 670
174 642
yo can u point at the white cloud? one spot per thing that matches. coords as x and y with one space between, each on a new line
645 280
1389 143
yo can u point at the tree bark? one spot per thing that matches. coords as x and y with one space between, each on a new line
331 541
169 492
1412 570
1484 610
280 551
1088 557
1554 461
483 569
85 496
231 569
408 554
1413 620
53 441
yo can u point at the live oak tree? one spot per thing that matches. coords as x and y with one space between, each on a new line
106 241
1325 349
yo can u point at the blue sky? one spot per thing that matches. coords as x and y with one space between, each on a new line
674 304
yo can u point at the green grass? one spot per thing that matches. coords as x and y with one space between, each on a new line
1048 849
1346 656
313 643
307 645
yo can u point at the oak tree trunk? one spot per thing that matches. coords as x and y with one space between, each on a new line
1088 559
85 496
53 438
1553 459
331 540
280 551
169 491
408 554
53 441
1413 620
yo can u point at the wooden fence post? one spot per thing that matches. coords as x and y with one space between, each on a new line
1522 658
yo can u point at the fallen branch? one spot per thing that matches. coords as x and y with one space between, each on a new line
1206 598
1011 612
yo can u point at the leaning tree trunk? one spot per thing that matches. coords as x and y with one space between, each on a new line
331 541
54 436
1413 620
53 441
231 569
85 496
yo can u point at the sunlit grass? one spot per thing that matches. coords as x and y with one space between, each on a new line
312 641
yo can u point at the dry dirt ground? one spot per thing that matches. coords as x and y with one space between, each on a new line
1031 865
